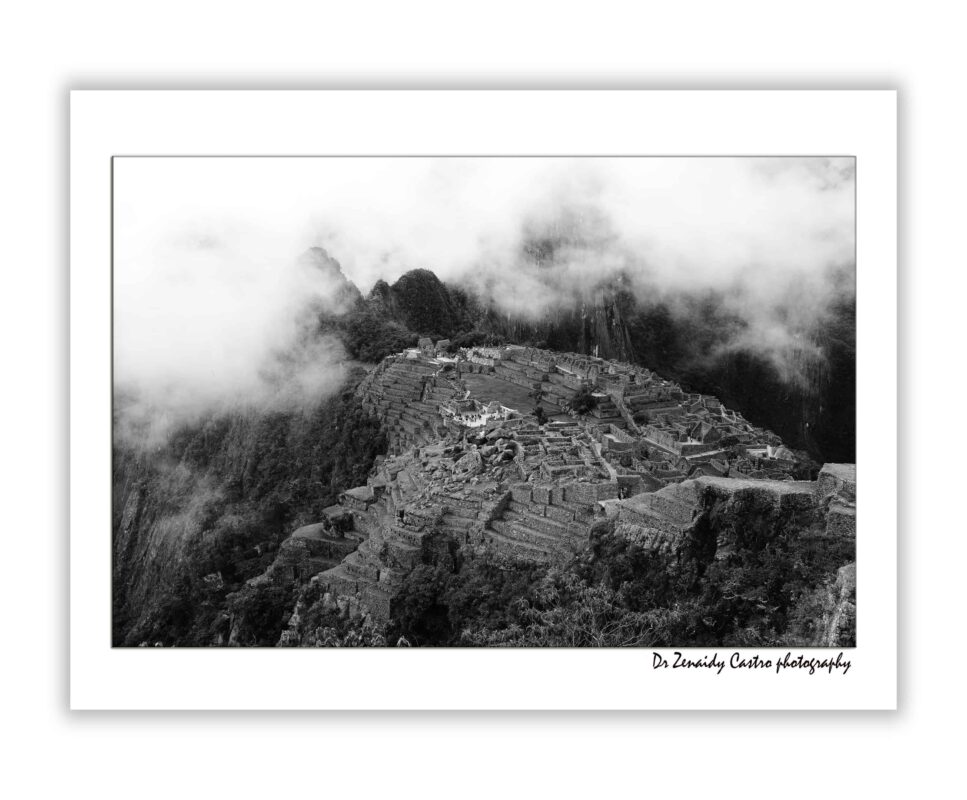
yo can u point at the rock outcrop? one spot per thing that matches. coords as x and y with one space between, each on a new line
837 627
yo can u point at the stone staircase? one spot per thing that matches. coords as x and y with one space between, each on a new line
405 395
627 416
540 525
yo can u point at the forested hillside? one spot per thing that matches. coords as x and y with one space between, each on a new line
197 517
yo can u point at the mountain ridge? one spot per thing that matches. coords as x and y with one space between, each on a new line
695 341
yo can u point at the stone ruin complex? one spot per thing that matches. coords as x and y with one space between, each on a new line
470 464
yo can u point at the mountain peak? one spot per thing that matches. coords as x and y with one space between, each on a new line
320 258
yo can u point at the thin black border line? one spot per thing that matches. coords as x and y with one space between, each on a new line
516 155
477 155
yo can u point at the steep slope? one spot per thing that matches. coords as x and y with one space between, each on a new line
513 492
198 517
709 562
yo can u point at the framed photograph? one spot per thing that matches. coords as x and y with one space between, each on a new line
483 400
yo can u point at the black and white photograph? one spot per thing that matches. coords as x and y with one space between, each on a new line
484 402
542 400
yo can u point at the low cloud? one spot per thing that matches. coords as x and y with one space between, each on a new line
209 289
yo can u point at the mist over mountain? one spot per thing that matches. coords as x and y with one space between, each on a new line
253 298
806 396
717 271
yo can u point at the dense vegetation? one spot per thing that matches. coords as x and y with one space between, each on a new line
619 593
767 587
232 487
371 336
583 401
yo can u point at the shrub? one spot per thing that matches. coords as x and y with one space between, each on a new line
583 401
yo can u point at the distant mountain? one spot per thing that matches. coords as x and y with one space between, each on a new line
686 341
343 294
422 302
